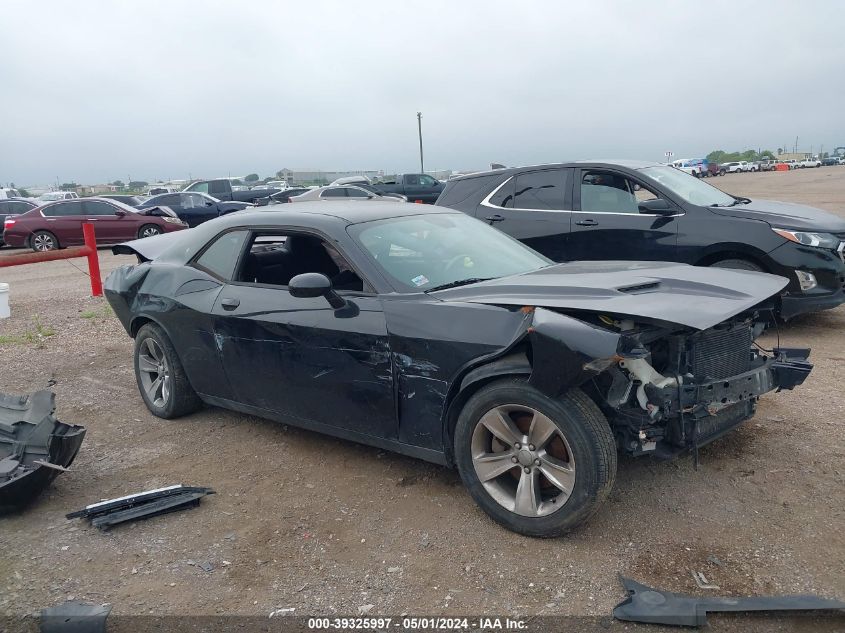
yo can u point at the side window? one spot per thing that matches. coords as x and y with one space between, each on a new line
540 190
195 200
504 196
63 209
93 207
6 207
337 192
217 186
171 200
354 192
427 181
274 259
611 193
413 180
221 257
202 187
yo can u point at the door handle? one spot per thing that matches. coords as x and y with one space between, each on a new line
230 303
587 222
494 218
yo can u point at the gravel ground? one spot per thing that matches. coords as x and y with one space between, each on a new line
328 527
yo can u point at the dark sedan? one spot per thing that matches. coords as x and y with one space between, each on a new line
59 224
10 207
193 207
637 210
431 334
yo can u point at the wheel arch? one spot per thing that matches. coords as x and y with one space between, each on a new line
721 252
512 363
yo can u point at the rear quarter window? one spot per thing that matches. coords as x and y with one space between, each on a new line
221 257
466 193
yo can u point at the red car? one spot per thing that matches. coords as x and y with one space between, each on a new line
59 224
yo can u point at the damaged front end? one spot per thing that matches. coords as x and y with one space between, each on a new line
665 389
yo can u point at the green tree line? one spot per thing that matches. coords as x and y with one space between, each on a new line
721 156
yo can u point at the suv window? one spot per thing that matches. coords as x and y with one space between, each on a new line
608 192
221 257
504 196
540 189
63 209
93 207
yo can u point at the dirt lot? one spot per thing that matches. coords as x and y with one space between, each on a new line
326 526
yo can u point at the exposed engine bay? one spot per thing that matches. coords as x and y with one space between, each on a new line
678 390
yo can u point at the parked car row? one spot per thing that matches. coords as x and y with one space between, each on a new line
59 224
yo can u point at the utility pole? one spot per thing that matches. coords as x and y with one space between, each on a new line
419 128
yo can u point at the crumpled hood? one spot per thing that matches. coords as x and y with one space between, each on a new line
692 296
786 215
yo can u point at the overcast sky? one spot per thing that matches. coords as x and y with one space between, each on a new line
96 91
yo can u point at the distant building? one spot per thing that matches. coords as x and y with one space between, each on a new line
794 156
95 190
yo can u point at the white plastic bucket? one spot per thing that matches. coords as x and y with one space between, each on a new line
4 301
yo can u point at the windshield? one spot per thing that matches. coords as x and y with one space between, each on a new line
423 252
690 188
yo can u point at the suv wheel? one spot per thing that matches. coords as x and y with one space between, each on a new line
536 465
160 376
737 264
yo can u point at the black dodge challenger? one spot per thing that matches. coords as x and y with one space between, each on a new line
432 334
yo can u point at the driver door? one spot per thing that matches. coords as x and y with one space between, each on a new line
300 357
607 222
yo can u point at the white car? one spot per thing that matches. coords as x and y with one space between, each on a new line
52 196
810 162
346 192
738 166
9 193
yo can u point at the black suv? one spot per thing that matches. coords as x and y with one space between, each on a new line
633 210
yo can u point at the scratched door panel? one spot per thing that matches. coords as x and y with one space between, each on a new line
302 358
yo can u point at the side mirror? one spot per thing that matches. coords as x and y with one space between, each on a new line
658 206
120 213
209 204
309 285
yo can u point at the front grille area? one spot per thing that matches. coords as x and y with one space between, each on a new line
721 353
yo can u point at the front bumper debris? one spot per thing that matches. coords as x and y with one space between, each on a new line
141 505
653 606
35 447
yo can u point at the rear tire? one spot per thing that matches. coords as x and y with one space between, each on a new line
520 495
162 381
43 241
149 230
737 264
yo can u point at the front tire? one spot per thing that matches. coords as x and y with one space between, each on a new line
149 230
737 264
43 241
536 465
162 381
